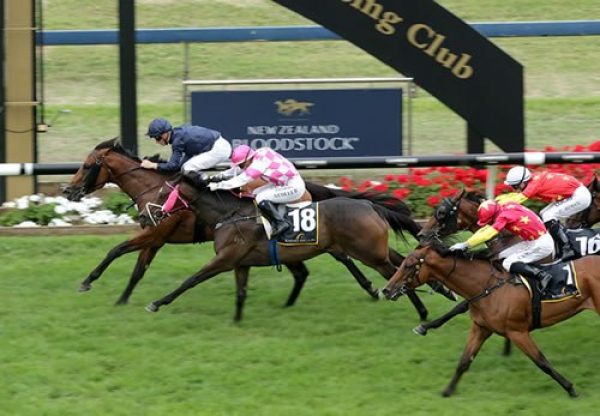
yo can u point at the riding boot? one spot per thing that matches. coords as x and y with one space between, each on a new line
198 179
532 271
443 290
558 233
279 223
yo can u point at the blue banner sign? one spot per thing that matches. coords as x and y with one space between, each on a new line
306 123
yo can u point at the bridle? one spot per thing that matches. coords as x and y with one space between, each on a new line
414 272
446 215
90 185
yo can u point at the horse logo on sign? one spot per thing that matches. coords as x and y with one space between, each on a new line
290 106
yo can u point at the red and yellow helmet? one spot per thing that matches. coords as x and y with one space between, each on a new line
486 212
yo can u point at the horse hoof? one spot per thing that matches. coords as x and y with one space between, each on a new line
376 294
420 330
84 287
152 307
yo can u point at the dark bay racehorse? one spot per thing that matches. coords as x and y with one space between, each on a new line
506 310
346 227
109 162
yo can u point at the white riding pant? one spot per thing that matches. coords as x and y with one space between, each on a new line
580 200
290 192
528 251
219 153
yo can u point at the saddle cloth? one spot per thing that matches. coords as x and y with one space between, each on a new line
585 241
304 218
563 285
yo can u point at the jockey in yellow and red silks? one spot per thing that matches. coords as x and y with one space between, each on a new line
536 245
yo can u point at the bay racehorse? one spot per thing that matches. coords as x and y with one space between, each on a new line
110 162
497 306
346 227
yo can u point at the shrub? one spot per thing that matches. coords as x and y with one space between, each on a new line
120 203
423 188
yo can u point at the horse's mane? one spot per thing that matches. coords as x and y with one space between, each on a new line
115 145
474 196
443 250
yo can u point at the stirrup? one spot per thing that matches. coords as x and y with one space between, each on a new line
283 227
155 213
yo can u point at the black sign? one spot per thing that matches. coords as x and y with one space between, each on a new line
444 55
306 123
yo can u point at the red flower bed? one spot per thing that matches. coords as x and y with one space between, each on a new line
423 188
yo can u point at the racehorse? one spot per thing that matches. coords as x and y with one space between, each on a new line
460 213
346 227
109 162
496 306
591 215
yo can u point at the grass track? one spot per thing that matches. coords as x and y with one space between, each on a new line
335 353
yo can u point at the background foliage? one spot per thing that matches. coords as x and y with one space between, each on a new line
562 81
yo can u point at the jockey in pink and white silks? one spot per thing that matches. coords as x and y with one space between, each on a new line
283 182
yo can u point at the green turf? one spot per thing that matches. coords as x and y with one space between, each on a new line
561 76
335 352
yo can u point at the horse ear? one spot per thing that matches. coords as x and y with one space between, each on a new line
461 194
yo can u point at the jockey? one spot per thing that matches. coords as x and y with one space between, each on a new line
519 220
277 178
565 194
195 148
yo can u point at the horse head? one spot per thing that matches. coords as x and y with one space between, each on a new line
424 264
411 274
93 173
453 214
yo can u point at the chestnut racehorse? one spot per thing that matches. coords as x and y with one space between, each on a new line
109 162
495 304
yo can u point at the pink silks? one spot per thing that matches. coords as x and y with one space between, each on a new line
172 199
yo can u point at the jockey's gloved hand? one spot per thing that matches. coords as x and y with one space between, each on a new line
213 186
216 178
459 246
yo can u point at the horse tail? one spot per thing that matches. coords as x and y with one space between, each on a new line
320 192
398 222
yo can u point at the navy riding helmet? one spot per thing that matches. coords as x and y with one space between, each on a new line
157 127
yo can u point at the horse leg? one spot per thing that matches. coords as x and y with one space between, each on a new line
241 284
422 329
116 252
477 336
365 283
220 263
506 351
143 262
526 344
300 273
